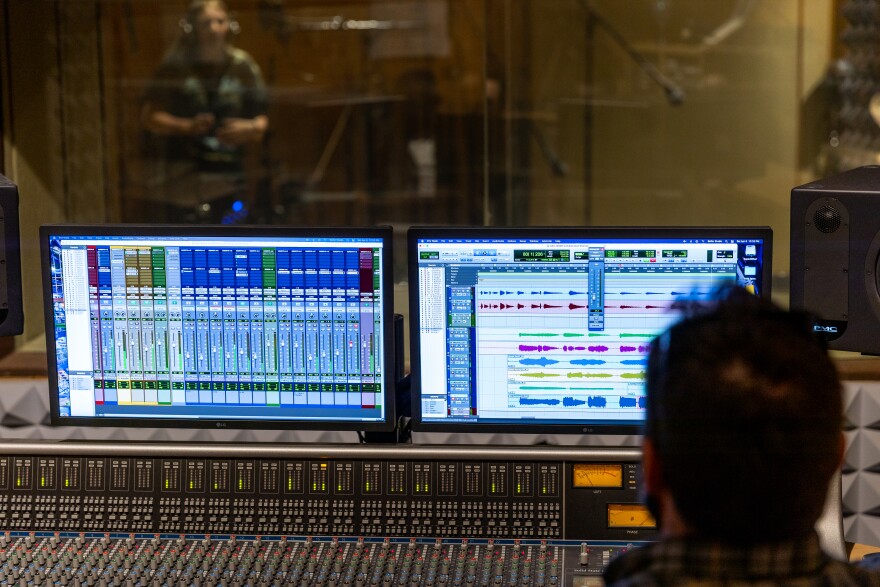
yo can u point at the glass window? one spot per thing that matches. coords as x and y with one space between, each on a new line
403 112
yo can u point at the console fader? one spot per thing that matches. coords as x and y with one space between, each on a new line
332 515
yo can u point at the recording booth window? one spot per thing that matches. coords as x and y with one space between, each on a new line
456 112
449 112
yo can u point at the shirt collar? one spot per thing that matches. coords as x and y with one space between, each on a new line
696 558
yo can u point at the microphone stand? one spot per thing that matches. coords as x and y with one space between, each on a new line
674 93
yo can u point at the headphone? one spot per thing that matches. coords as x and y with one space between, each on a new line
188 22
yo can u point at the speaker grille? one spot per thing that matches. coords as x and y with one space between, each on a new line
826 219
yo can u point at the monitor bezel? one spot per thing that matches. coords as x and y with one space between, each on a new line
416 233
385 233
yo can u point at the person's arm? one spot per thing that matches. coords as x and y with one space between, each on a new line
239 131
161 122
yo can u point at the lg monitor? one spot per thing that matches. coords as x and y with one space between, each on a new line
225 326
547 330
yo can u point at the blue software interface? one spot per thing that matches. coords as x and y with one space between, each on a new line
556 330
218 328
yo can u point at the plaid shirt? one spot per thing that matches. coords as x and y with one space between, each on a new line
694 563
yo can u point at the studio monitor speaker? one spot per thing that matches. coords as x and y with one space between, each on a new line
835 257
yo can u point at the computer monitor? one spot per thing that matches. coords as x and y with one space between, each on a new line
219 326
547 330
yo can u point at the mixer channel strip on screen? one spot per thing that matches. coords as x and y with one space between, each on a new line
92 514
162 317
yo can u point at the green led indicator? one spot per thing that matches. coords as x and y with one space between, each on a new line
42 481
216 486
67 482
368 485
518 488
339 488
493 488
167 483
543 490
290 483
323 487
191 485
241 483
18 482
314 486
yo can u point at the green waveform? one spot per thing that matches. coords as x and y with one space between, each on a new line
572 334
636 335
540 375
594 334
539 388
639 375
578 374
537 334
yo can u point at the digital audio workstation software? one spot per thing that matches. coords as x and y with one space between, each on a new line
188 325
543 327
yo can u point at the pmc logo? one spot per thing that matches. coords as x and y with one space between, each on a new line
828 329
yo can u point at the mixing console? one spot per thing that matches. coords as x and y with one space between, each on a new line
319 490
314 516
111 560
90 514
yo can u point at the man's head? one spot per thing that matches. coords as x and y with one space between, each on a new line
743 428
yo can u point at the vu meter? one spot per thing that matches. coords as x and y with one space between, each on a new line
630 515
597 475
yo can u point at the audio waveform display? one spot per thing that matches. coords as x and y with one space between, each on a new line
592 401
540 361
553 334
582 375
532 293
547 361
541 375
584 334
547 339
501 306
529 401
657 293
639 375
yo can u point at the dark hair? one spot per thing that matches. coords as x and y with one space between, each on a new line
744 411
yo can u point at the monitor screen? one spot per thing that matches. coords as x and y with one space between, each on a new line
547 330
199 326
